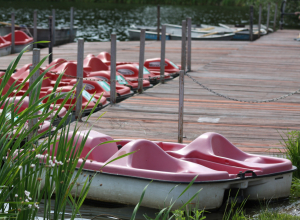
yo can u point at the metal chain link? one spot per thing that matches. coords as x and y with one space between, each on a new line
240 100
124 80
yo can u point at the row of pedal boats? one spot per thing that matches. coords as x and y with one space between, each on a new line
215 163
201 32
96 82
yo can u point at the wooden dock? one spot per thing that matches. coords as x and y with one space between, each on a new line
264 69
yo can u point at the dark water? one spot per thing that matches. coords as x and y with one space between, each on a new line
96 22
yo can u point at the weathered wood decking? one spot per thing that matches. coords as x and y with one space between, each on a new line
266 68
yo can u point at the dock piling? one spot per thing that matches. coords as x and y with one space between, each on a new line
183 46
35 27
158 21
275 17
53 26
71 22
113 70
141 61
50 39
259 21
12 32
180 110
32 94
251 23
189 48
268 17
162 54
80 52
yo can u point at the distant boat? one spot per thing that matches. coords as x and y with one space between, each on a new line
62 35
173 32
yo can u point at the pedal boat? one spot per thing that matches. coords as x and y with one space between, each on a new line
169 167
131 72
5 47
154 65
87 105
21 41
98 87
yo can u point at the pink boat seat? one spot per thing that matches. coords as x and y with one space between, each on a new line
20 38
149 156
104 57
4 43
215 151
92 63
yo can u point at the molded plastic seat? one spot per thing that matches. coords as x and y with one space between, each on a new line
92 63
20 38
4 43
217 149
104 57
149 156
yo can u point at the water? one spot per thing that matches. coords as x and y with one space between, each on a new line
96 22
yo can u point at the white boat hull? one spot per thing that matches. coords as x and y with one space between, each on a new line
5 51
127 190
19 48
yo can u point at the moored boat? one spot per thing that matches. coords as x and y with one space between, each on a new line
211 159
22 40
5 47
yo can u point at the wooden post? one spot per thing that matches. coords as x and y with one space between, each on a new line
113 61
71 23
141 61
162 54
158 21
32 94
80 52
259 21
53 27
35 27
50 39
13 32
189 49
180 110
275 16
268 17
251 23
183 46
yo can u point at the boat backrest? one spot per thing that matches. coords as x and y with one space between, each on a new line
99 153
105 57
94 63
55 63
20 37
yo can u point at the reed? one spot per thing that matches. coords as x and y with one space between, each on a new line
27 165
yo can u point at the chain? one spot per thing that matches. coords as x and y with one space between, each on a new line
240 100
122 80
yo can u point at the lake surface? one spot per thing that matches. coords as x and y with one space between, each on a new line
96 22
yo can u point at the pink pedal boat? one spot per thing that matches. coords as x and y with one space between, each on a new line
21 41
5 47
154 65
218 165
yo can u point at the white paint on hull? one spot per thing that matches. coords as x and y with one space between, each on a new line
5 51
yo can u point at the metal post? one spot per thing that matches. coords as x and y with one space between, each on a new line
189 49
251 23
158 21
113 61
162 54
275 16
53 26
35 27
183 46
268 18
13 32
180 110
71 23
141 61
50 39
80 52
259 21
32 94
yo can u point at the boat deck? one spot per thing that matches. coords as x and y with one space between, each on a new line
264 69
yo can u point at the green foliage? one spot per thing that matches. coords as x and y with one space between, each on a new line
29 165
291 142
273 215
